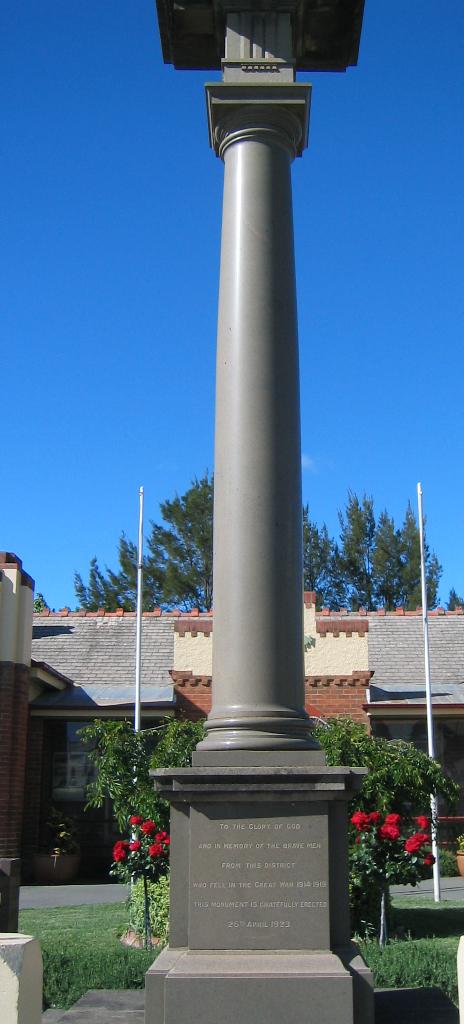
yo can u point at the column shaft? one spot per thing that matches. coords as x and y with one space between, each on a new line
258 673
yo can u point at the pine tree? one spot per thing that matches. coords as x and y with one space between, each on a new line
40 604
178 568
97 593
183 552
336 593
319 556
357 536
454 601
410 594
386 563
374 564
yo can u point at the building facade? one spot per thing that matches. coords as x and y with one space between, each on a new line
60 670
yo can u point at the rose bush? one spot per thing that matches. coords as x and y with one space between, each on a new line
385 849
144 856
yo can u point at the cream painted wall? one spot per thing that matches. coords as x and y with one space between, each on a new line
16 609
333 656
193 654
330 656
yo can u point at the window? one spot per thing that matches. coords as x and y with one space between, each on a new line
71 768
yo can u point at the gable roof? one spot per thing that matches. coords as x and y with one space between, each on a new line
396 649
98 655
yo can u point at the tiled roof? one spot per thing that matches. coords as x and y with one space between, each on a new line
396 649
101 650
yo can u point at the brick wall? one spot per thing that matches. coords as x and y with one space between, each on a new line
338 696
325 696
14 691
33 789
193 695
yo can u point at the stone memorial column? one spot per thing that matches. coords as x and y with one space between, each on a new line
259 913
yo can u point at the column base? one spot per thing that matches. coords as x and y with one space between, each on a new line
258 988
270 729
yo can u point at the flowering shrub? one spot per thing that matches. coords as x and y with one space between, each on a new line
384 850
144 856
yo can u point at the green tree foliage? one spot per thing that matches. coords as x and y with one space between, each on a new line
410 595
374 563
358 536
379 563
454 601
178 566
176 743
400 778
123 758
40 604
386 562
182 551
321 564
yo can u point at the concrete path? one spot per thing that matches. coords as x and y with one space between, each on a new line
392 1006
450 889
34 897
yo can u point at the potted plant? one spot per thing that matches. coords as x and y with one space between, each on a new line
460 854
62 860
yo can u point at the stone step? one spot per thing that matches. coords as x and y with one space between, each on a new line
392 1006
102 1006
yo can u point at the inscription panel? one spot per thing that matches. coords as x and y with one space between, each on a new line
258 877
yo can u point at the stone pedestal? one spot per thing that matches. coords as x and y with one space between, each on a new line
20 979
259 924
10 873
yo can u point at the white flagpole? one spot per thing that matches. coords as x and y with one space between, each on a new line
428 694
138 644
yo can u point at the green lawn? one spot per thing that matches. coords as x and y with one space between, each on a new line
425 952
81 950
422 918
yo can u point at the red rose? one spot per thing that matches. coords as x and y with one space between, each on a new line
120 850
155 850
167 841
393 819
429 860
414 843
161 837
422 821
149 827
135 845
135 820
375 817
388 831
360 820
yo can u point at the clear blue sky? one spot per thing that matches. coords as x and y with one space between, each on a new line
110 253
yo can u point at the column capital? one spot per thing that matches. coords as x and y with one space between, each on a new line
248 111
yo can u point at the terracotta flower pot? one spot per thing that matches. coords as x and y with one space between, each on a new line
56 869
460 860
